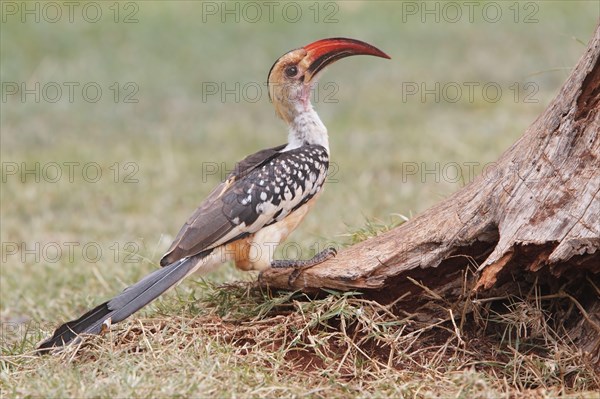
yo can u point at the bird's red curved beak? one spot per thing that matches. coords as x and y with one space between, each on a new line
326 51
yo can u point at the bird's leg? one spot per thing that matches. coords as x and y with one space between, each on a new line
300 265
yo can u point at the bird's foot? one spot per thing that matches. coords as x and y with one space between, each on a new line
301 265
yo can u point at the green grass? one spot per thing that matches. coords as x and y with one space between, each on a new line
171 136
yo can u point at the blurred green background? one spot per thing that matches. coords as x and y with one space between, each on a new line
169 141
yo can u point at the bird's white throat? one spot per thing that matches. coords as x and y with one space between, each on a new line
307 128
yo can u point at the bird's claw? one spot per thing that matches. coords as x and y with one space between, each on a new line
326 254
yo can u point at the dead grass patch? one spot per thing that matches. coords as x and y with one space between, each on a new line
503 346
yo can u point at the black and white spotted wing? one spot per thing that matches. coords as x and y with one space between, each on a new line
264 189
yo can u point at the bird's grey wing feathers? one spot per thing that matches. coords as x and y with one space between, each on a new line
208 224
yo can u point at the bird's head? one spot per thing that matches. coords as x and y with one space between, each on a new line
293 75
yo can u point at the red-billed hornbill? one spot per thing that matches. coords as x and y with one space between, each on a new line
261 202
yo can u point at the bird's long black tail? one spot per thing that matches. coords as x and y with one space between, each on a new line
132 299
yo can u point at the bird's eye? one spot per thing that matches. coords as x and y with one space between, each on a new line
291 71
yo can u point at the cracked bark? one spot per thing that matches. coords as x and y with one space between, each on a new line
534 214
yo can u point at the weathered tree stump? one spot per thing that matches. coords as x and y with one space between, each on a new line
534 215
